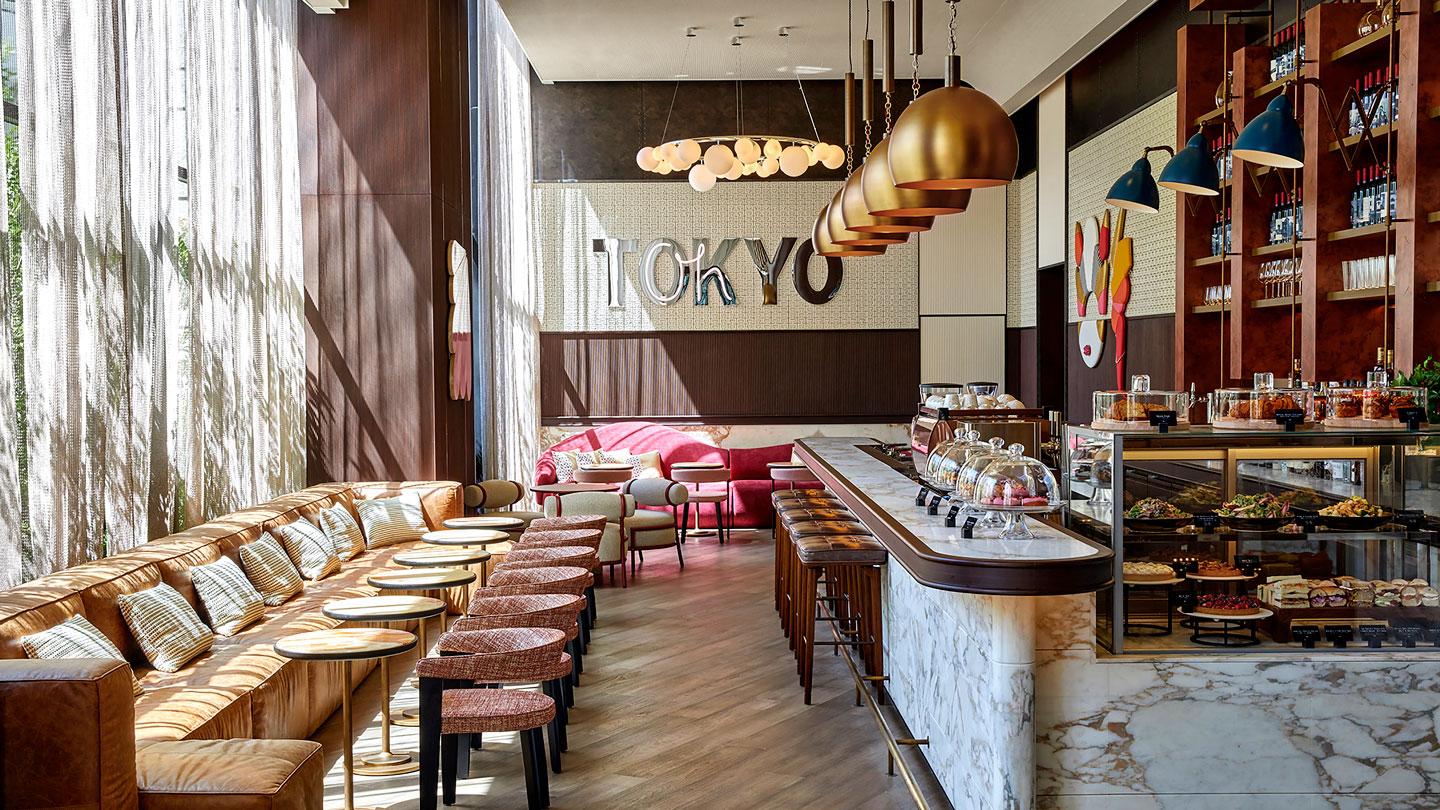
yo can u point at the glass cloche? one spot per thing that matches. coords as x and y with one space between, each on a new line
975 463
1377 405
1130 410
944 463
1015 485
1255 408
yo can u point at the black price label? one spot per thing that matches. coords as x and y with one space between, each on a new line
1374 634
1339 634
1164 420
1410 518
951 515
1409 635
1412 417
920 496
1208 523
1289 418
1306 635
1185 600
1308 522
1249 564
934 506
968 530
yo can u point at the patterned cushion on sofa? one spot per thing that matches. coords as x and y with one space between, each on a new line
392 520
309 548
230 600
167 629
269 570
344 533
75 637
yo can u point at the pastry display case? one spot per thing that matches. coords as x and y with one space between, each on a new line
1379 405
1260 540
1262 407
1133 409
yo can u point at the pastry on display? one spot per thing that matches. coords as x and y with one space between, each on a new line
1378 405
1410 596
1429 597
1131 410
1327 596
1255 408
1290 594
1147 572
1386 594
1217 569
1219 604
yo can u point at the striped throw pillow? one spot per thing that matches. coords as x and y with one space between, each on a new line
309 548
343 531
75 637
165 626
392 520
270 571
229 598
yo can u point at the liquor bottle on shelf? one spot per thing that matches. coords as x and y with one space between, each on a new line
1355 103
1225 244
1355 201
1297 214
1272 235
1275 56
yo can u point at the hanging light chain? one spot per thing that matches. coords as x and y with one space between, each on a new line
954 4
888 106
684 57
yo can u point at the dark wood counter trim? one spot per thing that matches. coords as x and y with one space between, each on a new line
965 574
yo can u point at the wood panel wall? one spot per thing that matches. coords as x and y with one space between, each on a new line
730 377
385 185
1150 349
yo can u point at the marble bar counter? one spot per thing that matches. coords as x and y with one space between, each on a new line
1022 710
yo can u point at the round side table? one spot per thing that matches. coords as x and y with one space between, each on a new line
423 580
466 539
385 609
485 522
603 473
346 644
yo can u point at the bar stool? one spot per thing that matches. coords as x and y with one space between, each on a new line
790 474
577 556
790 567
450 706
851 565
590 538
693 477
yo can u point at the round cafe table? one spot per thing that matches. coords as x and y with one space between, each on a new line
346 644
419 579
468 538
385 609
571 488
697 465
485 522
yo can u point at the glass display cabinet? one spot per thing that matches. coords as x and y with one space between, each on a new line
1261 540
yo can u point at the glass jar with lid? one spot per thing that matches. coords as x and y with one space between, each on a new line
1257 407
1130 410
1014 485
1378 405
945 462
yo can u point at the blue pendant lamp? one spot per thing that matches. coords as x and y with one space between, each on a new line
1192 170
1273 138
1135 190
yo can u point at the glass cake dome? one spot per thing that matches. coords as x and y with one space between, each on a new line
944 464
1014 485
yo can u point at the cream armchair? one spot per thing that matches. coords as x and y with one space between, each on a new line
615 507
652 528
496 496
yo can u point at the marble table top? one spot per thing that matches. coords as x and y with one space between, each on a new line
895 494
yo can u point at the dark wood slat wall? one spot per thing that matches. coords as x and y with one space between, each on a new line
1150 349
730 376
385 185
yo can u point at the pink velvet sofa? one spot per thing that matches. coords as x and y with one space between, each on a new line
749 473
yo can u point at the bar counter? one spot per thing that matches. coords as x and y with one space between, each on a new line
1022 710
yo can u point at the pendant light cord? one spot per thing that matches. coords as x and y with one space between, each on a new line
785 35
684 57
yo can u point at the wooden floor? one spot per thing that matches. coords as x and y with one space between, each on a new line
689 700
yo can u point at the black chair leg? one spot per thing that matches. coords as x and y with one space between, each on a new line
431 692
569 695
556 690
590 613
684 520
720 522
449 749
555 743
532 779
537 737
680 554
584 638
475 741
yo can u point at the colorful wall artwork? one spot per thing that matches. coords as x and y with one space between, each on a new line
460 329
1104 257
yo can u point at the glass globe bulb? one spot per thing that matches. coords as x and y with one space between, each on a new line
747 150
812 153
834 158
645 159
735 171
772 148
793 161
771 165
747 169
718 159
700 178
663 168
671 151
689 151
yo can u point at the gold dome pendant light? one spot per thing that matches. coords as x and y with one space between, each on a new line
845 214
820 238
882 197
954 137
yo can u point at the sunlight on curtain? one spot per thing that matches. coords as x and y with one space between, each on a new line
246 261
11 559
513 403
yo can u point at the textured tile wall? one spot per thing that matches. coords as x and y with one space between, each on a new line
1020 252
877 292
1093 168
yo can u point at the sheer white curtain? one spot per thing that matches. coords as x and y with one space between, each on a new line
503 149
162 335
248 361
11 546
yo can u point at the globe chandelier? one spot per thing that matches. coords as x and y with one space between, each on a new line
710 158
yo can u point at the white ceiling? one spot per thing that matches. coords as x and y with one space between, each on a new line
1010 48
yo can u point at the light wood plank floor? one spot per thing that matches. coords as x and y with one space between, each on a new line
689 700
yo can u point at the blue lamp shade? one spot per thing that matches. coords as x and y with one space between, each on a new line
1273 138
1136 189
1192 170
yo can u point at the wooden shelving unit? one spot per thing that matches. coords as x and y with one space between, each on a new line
1337 330
1360 295
1209 309
1267 89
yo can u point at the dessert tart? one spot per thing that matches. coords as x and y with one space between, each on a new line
1147 572
1215 604
1217 569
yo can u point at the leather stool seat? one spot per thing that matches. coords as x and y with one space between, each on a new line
240 774
823 549
814 527
797 514
786 495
